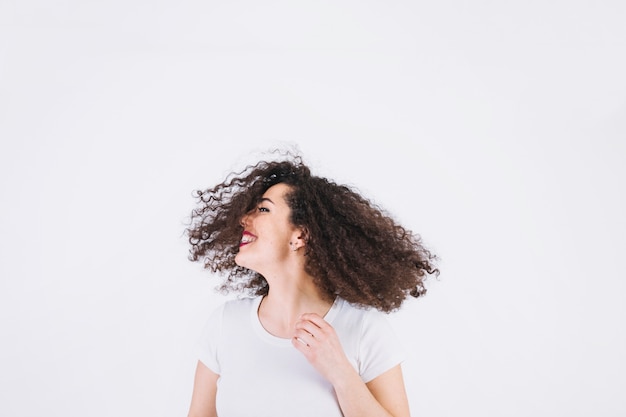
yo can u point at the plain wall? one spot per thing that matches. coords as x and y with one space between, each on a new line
495 130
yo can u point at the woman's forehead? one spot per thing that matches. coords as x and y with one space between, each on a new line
277 192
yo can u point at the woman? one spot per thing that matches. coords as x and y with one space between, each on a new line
321 265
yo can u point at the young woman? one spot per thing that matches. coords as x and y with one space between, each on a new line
320 264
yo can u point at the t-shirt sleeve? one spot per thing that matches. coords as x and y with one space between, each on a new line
380 348
210 340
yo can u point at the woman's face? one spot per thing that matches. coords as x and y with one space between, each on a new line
268 231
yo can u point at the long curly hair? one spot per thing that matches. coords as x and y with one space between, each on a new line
354 249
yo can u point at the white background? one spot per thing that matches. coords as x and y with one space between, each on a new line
496 130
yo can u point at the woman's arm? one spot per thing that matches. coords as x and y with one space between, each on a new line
204 390
384 396
387 391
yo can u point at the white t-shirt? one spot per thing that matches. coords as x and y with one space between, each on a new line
264 375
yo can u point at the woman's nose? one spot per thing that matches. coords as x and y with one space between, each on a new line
244 221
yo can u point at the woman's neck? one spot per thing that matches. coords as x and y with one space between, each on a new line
284 304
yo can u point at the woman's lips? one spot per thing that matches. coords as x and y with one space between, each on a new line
246 238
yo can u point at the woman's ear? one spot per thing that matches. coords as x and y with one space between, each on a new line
300 240
304 235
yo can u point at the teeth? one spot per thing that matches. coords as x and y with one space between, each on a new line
247 239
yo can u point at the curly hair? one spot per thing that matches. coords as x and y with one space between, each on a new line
353 249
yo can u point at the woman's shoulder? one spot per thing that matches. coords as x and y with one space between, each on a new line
358 315
240 304
233 305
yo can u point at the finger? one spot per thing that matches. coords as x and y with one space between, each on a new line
322 329
308 326
315 319
301 346
299 343
304 337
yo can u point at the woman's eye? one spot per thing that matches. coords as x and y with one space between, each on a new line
263 209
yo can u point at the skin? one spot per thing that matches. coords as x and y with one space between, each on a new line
293 309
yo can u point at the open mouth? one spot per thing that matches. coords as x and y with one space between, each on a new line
247 238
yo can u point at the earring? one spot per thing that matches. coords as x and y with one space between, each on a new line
293 247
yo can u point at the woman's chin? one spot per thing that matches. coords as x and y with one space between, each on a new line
240 260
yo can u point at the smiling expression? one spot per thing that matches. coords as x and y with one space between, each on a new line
268 232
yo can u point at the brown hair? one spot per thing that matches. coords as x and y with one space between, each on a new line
354 249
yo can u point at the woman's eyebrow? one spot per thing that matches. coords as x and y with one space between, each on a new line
266 199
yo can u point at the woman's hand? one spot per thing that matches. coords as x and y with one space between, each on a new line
318 342
384 396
